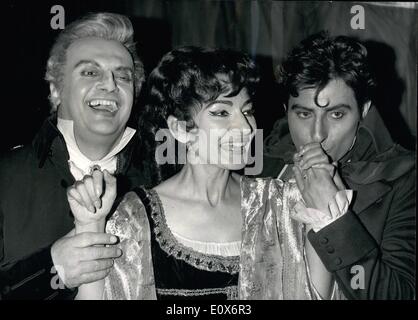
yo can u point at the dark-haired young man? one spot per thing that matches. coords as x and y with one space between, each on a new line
370 248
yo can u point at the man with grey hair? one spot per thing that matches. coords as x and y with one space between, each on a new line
94 75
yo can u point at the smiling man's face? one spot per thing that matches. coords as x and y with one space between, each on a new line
333 123
98 87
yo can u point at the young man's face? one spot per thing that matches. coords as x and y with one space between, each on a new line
333 124
98 87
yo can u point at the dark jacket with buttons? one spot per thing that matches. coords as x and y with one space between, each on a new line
34 210
371 249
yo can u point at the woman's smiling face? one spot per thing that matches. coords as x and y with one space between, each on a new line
223 131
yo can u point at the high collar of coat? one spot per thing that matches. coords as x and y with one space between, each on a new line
50 139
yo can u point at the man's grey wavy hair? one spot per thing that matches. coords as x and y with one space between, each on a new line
109 26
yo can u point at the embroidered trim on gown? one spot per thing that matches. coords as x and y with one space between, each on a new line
179 272
155 265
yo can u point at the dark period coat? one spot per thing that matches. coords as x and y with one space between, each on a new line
34 210
371 249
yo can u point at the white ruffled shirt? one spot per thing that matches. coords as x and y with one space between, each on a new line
79 164
318 219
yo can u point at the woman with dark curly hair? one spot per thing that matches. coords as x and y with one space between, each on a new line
206 231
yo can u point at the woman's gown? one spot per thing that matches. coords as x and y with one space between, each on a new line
156 265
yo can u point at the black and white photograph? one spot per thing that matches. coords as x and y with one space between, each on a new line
208 150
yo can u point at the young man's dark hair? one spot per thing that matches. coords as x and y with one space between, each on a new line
321 58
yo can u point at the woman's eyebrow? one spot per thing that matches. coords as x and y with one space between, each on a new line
227 102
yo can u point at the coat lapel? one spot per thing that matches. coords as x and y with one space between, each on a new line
50 146
366 195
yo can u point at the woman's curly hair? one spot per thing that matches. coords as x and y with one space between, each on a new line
187 78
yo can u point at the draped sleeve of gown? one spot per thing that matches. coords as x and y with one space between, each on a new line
132 277
273 263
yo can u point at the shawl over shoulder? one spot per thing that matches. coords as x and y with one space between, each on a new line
132 277
273 264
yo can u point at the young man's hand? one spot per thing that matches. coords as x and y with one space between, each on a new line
317 179
312 155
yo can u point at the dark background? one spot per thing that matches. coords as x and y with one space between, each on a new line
266 30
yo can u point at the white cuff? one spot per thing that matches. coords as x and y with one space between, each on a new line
318 219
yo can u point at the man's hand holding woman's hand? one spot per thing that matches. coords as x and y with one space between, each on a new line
86 254
85 257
